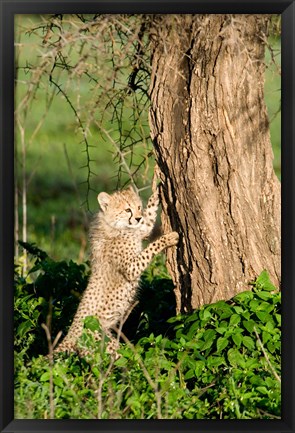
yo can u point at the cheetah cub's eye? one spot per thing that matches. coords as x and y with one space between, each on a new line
128 210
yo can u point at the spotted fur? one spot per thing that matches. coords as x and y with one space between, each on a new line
117 261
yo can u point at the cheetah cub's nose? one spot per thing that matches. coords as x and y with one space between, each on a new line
138 219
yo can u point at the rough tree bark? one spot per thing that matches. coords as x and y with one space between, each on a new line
211 135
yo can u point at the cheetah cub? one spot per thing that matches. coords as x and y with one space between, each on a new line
117 261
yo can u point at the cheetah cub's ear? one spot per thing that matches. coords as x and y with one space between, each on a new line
103 199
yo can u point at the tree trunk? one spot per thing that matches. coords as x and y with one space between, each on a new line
210 130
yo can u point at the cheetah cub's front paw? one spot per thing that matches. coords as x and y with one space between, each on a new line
172 239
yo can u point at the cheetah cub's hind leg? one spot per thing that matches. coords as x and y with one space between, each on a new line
67 346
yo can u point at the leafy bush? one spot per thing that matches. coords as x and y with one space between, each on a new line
50 288
221 362
235 348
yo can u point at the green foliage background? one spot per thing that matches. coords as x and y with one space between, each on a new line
221 362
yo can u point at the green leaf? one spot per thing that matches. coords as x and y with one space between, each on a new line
193 344
265 307
263 282
269 326
246 314
264 295
209 334
226 314
189 374
58 381
207 344
244 297
254 305
175 319
221 344
35 268
257 380
199 368
60 369
209 337
221 330
205 314
191 318
252 363
237 339
265 337
263 316
158 339
193 329
182 341
95 370
220 305
249 325
199 356
234 320
278 317
248 342
215 361
24 327
262 389
45 377
92 323
235 358
273 346
270 382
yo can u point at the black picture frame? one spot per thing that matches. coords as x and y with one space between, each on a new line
8 8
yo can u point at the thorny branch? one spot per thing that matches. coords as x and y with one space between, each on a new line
110 55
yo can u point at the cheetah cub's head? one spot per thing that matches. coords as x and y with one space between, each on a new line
121 210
